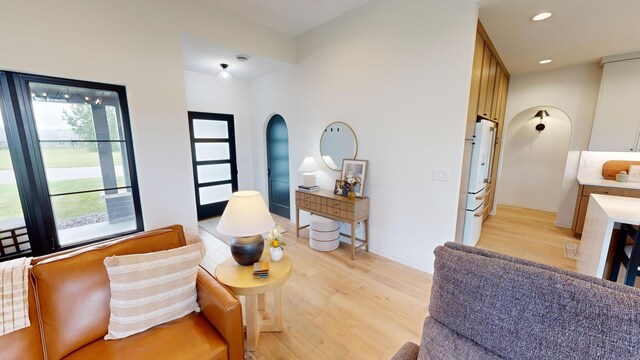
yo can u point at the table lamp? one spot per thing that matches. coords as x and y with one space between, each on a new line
309 167
246 218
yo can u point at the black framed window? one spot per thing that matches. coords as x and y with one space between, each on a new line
68 145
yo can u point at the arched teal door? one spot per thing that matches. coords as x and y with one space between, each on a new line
278 166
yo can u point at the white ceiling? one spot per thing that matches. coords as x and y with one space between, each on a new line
205 57
291 17
580 31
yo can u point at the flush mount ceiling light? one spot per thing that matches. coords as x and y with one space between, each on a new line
224 73
541 16
541 114
545 61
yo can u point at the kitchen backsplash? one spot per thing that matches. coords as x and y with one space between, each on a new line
590 165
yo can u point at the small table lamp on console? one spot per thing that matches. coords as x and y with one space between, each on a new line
246 217
309 167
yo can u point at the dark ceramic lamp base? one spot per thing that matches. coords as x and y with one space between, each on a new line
247 250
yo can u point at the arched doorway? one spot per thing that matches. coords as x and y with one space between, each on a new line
534 162
278 166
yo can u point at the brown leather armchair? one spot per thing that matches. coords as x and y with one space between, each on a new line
69 310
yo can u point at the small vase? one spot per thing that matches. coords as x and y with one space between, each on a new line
276 253
351 195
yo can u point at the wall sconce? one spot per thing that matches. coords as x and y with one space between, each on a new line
541 114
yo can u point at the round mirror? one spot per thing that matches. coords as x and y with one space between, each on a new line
338 142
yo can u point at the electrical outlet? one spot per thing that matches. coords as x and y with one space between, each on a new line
438 174
589 163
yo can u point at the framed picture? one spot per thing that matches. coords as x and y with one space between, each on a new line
354 172
340 188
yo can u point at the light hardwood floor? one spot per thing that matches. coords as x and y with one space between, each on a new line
528 234
338 308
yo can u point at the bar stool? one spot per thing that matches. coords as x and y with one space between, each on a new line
628 255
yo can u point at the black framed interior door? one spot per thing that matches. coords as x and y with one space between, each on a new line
278 166
213 153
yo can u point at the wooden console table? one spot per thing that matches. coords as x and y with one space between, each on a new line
325 203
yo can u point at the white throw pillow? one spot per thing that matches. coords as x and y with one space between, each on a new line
151 289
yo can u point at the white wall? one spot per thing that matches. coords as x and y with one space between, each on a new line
136 44
574 90
534 162
398 72
207 93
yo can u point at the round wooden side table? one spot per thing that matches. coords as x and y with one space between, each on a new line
239 279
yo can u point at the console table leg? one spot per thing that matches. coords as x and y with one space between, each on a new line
353 241
366 233
297 222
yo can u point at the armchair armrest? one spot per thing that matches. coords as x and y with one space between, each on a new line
409 351
223 310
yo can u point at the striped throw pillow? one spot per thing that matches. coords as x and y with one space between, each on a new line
151 289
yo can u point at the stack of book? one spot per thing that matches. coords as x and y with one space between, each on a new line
261 270
309 188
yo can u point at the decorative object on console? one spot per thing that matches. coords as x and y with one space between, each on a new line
308 169
339 189
246 217
274 237
338 142
354 174
541 114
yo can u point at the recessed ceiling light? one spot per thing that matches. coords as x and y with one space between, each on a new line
545 61
541 16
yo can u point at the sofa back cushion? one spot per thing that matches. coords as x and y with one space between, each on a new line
518 309
73 293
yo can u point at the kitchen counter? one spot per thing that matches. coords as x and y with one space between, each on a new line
603 212
609 183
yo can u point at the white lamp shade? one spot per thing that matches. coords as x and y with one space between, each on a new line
309 164
246 214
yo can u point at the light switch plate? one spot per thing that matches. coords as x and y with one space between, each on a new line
438 174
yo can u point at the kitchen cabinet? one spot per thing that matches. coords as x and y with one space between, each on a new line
484 80
582 202
616 126
488 100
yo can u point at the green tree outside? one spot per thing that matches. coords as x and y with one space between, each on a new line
80 119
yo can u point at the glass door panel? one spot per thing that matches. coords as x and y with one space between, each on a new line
81 138
13 232
214 162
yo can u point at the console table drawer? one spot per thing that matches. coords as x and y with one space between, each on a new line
336 207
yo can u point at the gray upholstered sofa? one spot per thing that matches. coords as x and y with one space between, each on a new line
489 306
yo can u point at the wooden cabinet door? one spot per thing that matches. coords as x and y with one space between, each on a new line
474 93
493 114
484 82
616 126
491 85
502 104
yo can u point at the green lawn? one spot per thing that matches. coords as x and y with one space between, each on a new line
65 207
63 157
